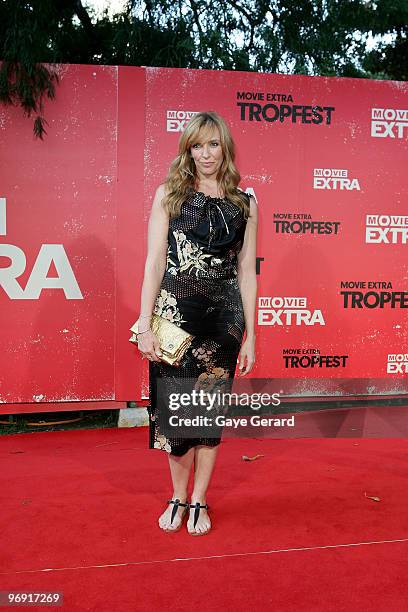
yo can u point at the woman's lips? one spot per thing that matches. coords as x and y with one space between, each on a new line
207 163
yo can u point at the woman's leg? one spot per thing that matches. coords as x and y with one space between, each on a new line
180 468
204 461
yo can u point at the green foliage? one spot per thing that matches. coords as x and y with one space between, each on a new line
313 37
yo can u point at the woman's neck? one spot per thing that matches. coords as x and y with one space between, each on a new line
209 188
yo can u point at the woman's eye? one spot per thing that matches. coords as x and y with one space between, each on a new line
195 146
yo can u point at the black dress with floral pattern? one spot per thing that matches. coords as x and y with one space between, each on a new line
199 292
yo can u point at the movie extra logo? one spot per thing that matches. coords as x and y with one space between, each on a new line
279 108
372 295
176 120
389 123
397 363
311 358
334 180
289 311
386 229
38 280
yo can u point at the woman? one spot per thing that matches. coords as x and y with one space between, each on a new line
200 273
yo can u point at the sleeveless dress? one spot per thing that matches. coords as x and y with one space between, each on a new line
199 292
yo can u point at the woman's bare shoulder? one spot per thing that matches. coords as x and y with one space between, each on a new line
251 197
161 192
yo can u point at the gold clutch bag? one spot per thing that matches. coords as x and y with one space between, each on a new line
173 340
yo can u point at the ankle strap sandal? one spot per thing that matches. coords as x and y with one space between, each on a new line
197 506
176 503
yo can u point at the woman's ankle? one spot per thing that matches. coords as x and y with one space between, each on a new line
198 497
180 495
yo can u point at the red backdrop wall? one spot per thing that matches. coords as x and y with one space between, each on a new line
326 159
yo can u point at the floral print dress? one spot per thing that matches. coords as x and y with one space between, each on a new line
199 292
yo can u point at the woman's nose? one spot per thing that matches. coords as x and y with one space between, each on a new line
206 151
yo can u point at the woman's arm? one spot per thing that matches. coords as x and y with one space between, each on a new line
155 264
247 270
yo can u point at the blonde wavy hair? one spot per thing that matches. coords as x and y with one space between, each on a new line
181 178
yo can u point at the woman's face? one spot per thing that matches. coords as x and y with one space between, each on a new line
207 153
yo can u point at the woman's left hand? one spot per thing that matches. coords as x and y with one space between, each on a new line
247 353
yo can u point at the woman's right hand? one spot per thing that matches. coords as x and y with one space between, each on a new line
149 345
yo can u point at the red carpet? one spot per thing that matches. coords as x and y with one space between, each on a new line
292 530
